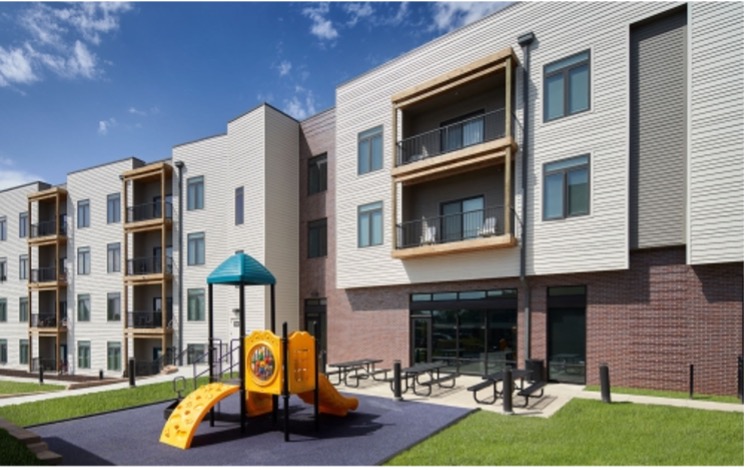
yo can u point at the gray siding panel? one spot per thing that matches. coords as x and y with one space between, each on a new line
658 57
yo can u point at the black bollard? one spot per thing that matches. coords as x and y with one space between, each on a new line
397 380
101 374
131 371
41 374
507 391
692 380
604 382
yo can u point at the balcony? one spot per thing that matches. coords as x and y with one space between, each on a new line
452 233
144 320
47 278
46 321
148 269
147 215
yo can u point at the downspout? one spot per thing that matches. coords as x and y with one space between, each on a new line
525 42
180 166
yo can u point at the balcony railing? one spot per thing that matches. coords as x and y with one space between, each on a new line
471 131
47 228
150 265
468 225
144 319
49 274
148 211
43 320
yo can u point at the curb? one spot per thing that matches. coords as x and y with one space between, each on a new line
33 442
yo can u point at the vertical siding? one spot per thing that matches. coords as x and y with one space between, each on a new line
716 133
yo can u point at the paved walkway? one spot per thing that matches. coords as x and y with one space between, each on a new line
555 395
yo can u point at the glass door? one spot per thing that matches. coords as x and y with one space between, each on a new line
472 341
421 333
444 336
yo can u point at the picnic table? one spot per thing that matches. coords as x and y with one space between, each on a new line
351 372
415 375
499 377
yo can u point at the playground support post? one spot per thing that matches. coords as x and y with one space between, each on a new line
211 343
275 398
285 387
316 332
243 393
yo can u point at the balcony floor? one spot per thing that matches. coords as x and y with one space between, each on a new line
474 244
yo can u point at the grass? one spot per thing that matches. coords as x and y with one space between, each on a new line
588 432
10 388
15 453
667 394
56 409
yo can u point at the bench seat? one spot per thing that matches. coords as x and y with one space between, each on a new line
481 386
529 391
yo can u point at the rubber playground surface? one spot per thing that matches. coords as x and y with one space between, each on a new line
379 429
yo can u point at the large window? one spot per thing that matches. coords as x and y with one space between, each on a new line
461 219
3 351
23 267
196 249
567 86
23 310
113 306
196 305
462 131
3 269
114 356
113 257
195 353
84 354
84 260
370 224
317 238
84 307
113 208
84 214
3 310
566 188
317 174
23 351
195 193
23 224
239 205
370 150
3 228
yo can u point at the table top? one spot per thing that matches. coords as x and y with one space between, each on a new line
358 362
424 367
515 373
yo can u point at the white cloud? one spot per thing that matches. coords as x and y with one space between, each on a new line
357 11
300 107
10 178
284 68
139 112
322 27
15 67
106 125
448 16
51 24
133 110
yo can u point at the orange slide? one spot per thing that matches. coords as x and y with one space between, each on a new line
330 400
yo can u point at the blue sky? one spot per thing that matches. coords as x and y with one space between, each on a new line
87 83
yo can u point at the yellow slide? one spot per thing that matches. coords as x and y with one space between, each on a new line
330 400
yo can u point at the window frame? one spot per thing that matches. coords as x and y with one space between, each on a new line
21 302
191 355
368 136
3 351
317 171
192 296
196 186
23 350
84 251
23 267
87 356
321 249
3 310
114 316
87 299
114 215
23 225
565 72
83 221
3 270
239 205
114 262
111 347
369 213
196 240
3 228
565 200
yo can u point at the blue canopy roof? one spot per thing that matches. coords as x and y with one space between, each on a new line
241 269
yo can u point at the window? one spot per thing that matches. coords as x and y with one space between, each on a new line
84 307
84 354
23 267
370 150
23 310
3 269
84 260
196 249
317 238
462 219
113 258
462 131
113 306
23 351
567 86
239 206
114 361
195 353
3 310
3 351
566 188
317 174
23 224
84 215
3 229
370 224
195 193
113 208
196 305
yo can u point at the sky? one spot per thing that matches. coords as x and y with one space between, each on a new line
83 84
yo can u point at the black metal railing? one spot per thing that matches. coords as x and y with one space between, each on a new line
486 222
43 320
145 319
147 211
47 228
49 274
149 265
471 131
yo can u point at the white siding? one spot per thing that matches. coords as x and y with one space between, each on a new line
594 242
716 133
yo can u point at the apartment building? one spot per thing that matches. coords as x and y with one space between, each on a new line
555 181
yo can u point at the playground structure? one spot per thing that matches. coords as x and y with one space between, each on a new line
269 366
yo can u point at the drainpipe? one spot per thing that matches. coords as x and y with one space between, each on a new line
525 42
180 166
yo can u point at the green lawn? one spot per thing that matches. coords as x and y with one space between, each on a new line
9 387
588 432
666 394
13 452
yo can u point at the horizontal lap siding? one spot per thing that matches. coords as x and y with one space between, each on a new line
716 130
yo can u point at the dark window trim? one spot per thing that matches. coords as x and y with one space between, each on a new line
565 171
314 162
565 72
